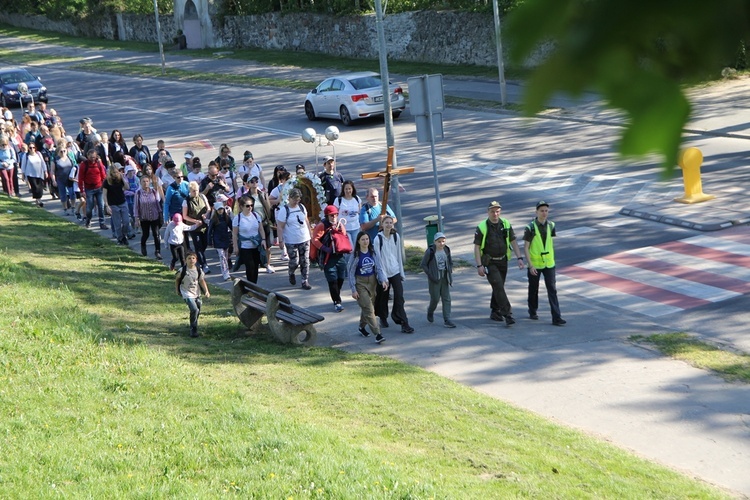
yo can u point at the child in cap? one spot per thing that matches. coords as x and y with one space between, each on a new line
438 266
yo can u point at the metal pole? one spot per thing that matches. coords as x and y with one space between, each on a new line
432 150
158 35
387 110
499 42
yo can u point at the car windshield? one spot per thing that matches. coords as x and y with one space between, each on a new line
16 77
366 82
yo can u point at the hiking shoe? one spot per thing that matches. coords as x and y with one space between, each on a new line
449 324
338 308
384 323
270 269
509 320
558 322
533 316
496 316
405 328
292 279
379 338
157 256
430 316
103 226
306 286
363 331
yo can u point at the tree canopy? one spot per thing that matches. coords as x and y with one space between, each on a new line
636 53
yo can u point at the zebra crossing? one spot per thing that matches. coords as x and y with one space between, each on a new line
666 278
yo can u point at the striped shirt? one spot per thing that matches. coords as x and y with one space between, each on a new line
147 205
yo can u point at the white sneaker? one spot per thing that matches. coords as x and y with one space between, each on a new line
270 269
285 257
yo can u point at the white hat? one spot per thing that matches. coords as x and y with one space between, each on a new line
129 168
218 205
189 155
438 235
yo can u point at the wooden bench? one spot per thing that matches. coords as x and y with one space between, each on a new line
289 324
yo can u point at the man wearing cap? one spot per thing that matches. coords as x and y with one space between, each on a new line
331 180
493 240
540 252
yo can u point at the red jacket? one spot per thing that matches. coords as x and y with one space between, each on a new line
91 175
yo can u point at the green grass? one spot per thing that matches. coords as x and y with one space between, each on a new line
731 366
103 395
23 58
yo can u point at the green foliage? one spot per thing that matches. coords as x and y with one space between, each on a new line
72 9
636 53
340 7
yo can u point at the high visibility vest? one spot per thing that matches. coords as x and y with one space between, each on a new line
542 255
483 229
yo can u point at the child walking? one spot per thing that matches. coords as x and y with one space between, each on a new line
175 236
438 266
365 271
189 283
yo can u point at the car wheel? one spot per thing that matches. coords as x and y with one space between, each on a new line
310 111
346 118
396 115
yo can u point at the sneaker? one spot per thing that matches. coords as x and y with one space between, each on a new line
449 324
306 286
338 308
405 328
379 338
88 223
79 217
206 270
193 333
103 226
509 320
227 277
292 279
558 322
533 316
285 257
363 331
171 266
270 269
157 256
384 323
41 204
430 316
236 266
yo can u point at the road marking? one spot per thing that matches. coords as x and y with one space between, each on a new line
666 278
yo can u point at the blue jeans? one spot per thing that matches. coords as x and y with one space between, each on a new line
94 195
120 221
195 311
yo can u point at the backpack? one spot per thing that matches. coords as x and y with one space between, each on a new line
380 238
302 207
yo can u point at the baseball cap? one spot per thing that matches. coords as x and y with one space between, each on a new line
327 159
494 204
218 205
438 235
542 204
330 210
119 166
189 155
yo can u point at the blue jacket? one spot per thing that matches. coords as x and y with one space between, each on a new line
220 232
174 197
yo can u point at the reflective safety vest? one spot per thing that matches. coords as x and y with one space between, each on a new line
483 229
542 255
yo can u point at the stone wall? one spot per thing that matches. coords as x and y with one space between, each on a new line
446 37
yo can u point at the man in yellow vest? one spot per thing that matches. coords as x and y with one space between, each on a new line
540 252
493 240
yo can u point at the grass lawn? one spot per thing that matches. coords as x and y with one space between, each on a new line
103 395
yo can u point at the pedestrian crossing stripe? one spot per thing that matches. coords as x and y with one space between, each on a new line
666 278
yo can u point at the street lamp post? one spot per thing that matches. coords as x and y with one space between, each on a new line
320 141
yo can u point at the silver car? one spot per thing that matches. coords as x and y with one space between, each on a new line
352 97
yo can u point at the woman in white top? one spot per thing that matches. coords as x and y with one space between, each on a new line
387 246
294 231
248 237
349 206
34 172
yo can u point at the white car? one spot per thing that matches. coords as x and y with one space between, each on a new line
352 97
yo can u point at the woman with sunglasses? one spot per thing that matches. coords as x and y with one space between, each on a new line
248 237
34 173
294 232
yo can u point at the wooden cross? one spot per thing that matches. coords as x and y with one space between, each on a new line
387 175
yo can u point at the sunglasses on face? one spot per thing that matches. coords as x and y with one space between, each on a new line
249 205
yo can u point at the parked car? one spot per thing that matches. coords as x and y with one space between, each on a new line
10 78
352 97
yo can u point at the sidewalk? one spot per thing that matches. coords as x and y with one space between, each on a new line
587 374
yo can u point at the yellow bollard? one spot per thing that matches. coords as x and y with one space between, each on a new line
690 162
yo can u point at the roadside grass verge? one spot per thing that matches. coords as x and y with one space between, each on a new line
24 58
103 395
731 366
272 57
